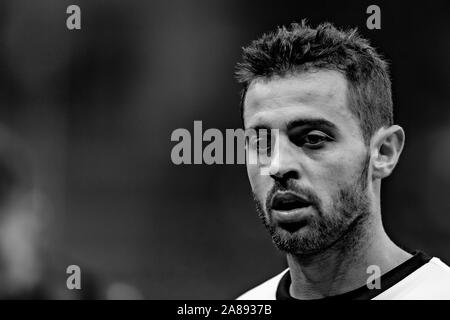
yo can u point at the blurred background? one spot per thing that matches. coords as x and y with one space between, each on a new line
86 117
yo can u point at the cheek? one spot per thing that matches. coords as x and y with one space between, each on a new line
339 171
260 183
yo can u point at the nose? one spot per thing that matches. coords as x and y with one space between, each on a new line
285 162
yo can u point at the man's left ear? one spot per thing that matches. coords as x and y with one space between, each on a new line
386 147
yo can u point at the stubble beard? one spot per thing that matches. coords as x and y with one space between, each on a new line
342 226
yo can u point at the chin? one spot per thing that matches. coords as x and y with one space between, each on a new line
300 241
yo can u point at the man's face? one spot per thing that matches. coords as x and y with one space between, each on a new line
316 191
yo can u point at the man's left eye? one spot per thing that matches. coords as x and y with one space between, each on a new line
315 139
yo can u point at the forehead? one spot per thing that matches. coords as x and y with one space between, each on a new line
318 94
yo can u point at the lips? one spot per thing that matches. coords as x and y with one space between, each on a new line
290 211
288 201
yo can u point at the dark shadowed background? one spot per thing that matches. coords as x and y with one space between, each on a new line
95 109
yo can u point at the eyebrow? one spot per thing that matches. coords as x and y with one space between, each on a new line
310 122
313 122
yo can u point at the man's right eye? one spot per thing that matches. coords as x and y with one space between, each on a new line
262 142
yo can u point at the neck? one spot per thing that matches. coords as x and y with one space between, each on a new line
343 267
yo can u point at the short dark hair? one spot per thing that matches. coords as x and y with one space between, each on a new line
302 48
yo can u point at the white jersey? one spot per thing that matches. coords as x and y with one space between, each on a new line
431 281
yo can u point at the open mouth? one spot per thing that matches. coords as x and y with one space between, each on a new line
288 201
287 211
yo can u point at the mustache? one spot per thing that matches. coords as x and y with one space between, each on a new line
293 187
